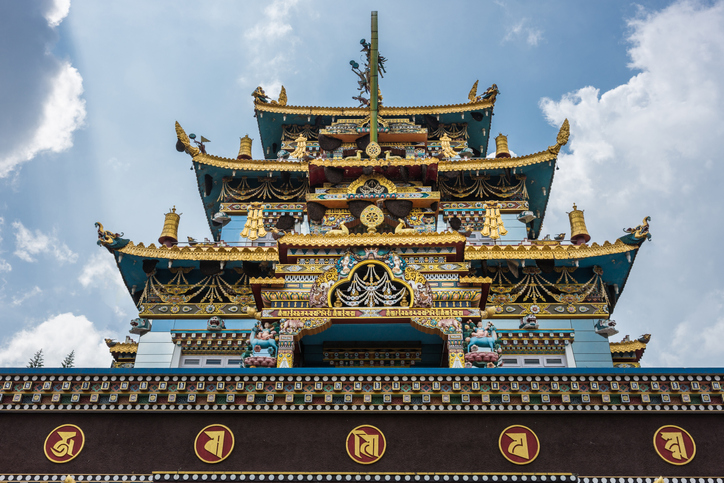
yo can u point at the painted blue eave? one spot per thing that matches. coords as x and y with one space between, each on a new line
271 127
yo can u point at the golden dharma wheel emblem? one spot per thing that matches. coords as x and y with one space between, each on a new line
373 150
372 217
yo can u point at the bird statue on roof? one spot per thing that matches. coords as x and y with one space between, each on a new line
490 93
259 95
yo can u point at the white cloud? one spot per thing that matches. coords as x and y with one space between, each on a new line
650 147
521 29
4 265
58 336
63 112
691 342
57 11
100 271
271 42
29 244
18 300
46 106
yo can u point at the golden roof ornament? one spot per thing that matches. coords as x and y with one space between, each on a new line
373 150
447 150
301 150
562 139
501 146
579 233
490 93
244 148
254 226
185 142
472 95
372 217
169 234
282 98
493 224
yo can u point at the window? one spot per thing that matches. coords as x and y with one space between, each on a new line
210 361
534 361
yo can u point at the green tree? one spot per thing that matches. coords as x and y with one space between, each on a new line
36 360
69 360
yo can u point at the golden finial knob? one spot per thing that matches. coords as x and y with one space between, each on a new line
501 146
244 148
579 233
169 234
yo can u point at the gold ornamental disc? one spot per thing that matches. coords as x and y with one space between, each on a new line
372 217
373 150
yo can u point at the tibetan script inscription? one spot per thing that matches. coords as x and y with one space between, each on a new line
64 443
366 444
674 445
214 443
519 444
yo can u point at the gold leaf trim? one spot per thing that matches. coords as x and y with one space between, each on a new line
543 252
629 346
496 163
363 111
202 253
371 239
476 280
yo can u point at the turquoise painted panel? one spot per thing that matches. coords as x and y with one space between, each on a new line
232 231
157 348
595 364
153 365
594 358
583 324
371 332
583 347
516 229
153 358
589 336
155 337
161 325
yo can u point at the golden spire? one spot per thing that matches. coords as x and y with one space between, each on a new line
169 234
501 147
244 148
579 234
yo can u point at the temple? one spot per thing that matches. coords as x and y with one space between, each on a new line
379 261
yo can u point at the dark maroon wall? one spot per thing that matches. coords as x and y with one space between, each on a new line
596 444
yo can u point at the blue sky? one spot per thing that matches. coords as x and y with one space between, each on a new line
92 90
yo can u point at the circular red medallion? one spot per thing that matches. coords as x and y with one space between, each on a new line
366 444
674 445
64 443
214 443
519 444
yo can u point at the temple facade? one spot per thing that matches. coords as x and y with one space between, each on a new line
375 302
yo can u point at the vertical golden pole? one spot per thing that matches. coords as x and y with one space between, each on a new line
373 81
